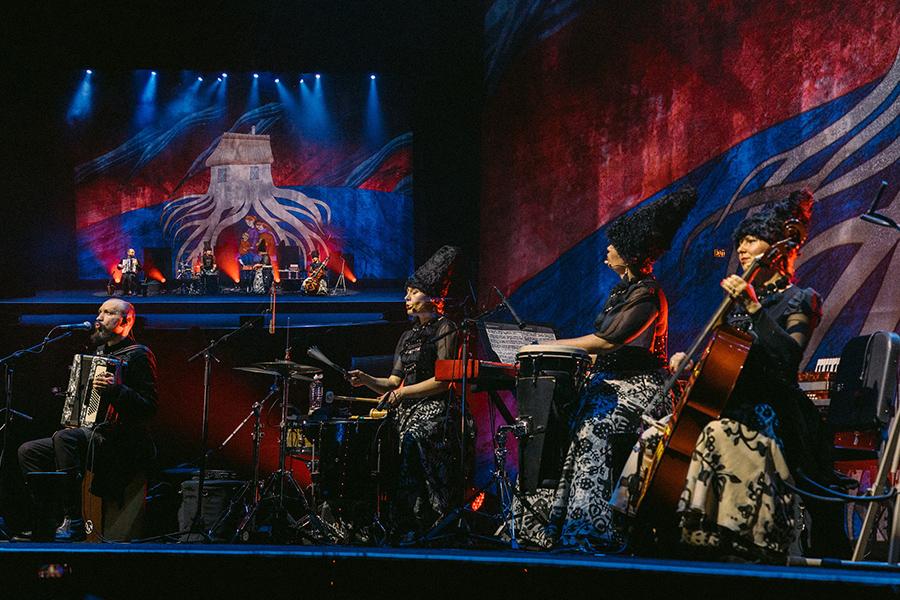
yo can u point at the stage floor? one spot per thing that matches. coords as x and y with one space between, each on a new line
220 571
177 311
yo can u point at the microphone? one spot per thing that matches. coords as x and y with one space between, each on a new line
75 326
519 322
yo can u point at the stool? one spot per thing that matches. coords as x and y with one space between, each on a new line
107 520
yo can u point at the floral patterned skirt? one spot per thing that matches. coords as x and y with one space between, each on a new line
428 474
734 501
603 433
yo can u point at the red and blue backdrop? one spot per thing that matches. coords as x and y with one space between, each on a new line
593 109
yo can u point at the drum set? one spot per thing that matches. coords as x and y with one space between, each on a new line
188 279
352 461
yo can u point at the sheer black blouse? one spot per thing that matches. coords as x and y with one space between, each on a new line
636 316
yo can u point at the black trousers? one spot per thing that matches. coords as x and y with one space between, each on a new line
66 450
130 283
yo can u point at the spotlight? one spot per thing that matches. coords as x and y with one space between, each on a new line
277 80
199 79
89 72
318 76
219 79
256 76
153 73
224 75
372 77
301 80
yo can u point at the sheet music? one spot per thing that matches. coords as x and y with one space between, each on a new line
505 339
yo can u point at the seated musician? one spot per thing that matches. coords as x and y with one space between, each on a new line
263 275
630 343
316 282
115 450
209 270
735 502
427 422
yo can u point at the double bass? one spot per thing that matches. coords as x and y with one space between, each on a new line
706 394
313 283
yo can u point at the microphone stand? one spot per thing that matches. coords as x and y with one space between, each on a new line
208 357
466 327
8 373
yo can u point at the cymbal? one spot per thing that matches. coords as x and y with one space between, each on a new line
288 366
288 373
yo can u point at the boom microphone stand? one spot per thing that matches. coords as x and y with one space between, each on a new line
8 373
208 357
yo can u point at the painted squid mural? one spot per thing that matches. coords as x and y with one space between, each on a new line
241 185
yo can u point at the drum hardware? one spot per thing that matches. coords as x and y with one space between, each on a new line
281 481
506 490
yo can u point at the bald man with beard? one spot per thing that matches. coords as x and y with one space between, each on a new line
118 449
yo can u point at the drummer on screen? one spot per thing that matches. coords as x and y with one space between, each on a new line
427 421
629 339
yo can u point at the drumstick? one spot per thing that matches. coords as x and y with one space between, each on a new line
315 353
355 399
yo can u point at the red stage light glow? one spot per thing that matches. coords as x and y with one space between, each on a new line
115 273
334 265
478 501
154 274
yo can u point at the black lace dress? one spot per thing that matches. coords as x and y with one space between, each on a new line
428 430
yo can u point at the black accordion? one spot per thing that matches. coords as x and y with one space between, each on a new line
84 406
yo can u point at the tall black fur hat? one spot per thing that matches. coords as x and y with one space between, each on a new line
434 276
768 224
641 236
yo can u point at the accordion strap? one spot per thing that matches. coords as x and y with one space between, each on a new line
126 349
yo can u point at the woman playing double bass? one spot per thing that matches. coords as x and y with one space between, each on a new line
734 501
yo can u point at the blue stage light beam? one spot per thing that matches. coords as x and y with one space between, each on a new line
284 95
146 108
253 96
80 108
374 118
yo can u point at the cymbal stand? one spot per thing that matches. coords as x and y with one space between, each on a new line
253 484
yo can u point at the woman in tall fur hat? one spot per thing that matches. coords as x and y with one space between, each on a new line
735 502
426 420
629 339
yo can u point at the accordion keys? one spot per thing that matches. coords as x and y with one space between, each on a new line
84 405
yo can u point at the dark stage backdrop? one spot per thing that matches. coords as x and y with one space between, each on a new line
177 159
593 110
